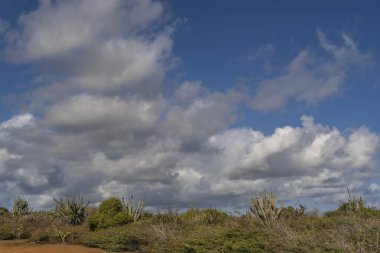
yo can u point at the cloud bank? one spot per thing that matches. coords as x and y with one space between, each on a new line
100 125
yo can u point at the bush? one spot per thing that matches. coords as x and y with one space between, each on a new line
109 214
207 216
3 211
6 232
101 220
111 206
125 238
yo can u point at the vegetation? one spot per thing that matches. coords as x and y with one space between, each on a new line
72 211
20 207
3 211
352 227
265 208
110 214
135 213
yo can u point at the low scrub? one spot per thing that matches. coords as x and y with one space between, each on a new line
352 227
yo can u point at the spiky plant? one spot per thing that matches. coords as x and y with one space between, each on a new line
20 207
135 213
353 204
265 208
72 211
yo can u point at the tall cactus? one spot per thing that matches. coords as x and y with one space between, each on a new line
135 213
265 208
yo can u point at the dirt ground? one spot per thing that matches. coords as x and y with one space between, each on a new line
21 246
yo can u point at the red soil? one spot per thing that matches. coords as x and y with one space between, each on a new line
23 247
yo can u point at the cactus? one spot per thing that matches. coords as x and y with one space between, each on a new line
20 207
353 204
73 211
135 213
265 209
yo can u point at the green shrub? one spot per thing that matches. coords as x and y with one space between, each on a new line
3 211
206 216
291 212
125 238
101 220
111 206
6 232
40 235
109 214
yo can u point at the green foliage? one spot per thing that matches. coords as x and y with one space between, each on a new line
101 220
208 230
207 216
111 206
109 214
72 211
6 232
265 208
20 207
132 237
3 211
291 212
137 212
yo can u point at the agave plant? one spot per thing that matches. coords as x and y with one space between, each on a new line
135 213
72 211
265 208
21 207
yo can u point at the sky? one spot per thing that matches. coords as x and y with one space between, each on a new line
199 103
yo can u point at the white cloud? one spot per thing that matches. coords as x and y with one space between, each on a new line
96 45
309 78
302 161
18 121
58 27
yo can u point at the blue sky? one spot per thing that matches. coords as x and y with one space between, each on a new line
189 101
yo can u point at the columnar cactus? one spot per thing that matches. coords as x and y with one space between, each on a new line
135 213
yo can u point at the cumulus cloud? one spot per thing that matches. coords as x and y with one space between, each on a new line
310 78
304 161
